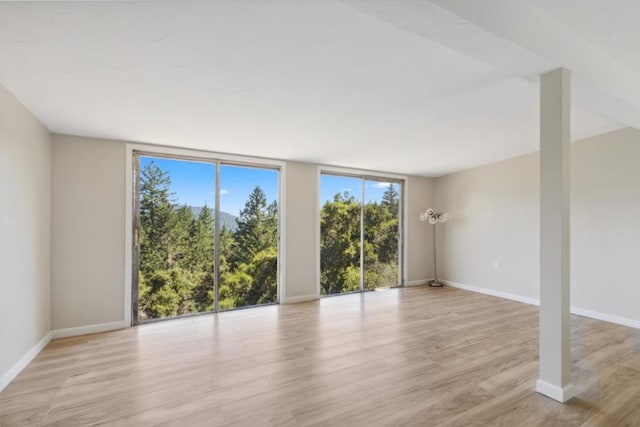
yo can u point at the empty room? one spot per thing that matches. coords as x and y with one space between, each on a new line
340 212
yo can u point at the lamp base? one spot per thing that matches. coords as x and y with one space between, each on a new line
436 283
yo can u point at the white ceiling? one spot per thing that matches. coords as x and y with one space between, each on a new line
410 88
611 26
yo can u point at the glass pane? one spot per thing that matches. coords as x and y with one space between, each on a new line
339 234
176 234
248 236
381 234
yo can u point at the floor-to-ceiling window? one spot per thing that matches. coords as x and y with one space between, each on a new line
248 236
340 234
205 236
360 233
381 234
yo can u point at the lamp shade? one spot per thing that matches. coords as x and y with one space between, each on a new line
433 217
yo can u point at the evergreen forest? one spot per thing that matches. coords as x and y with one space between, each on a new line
177 253
177 249
340 234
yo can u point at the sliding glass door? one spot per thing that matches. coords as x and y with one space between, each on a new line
176 237
340 234
248 236
205 236
381 234
360 223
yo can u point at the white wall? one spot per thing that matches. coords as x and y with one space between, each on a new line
301 248
88 208
419 257
605 224
495 219
25 197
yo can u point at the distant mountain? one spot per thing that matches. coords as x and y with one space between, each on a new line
225 218
229 220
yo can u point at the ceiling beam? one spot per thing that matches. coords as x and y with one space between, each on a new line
520 41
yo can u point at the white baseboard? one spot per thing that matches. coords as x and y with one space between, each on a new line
13 372
89 329
303 298
494 293
417 282
561 394
606 317
624 321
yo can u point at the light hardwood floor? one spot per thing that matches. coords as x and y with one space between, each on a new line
416 356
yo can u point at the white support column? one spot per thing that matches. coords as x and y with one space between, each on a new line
555 343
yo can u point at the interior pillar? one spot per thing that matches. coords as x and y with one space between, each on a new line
555 344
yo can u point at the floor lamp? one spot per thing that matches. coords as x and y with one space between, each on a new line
434 217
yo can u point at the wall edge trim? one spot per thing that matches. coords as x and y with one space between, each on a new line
417 282
598 315
302 298
89 329
22 363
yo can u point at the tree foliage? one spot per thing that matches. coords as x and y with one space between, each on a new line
177 253
340 243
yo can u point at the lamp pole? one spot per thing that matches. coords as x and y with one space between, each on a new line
435 282
434 218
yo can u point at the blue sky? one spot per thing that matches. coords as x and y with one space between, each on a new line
193 183
332 184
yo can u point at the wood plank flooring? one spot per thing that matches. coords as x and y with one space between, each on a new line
416 356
